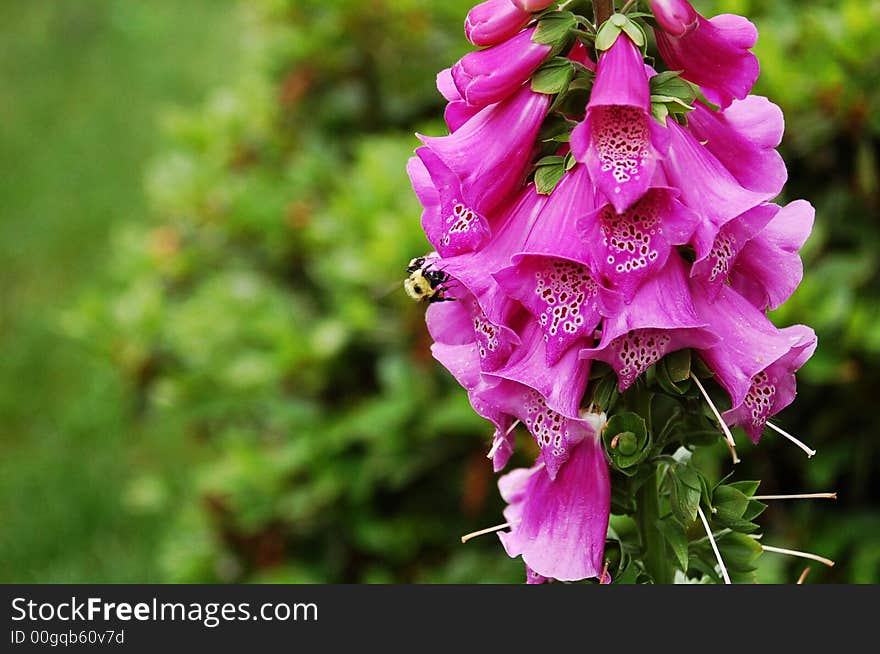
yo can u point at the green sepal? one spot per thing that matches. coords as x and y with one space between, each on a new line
556 129
730 504
605 393
739 552
685 493
754 509
574 101
676 539
555 28
553 76
747 488
607 35
627 441
549 171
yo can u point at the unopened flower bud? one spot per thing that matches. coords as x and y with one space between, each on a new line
676 17
494 21
533 5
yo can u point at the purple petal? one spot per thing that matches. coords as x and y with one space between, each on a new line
769 269
676 17
478 167
713 267
470 269
706 186
773 388
492 75
627 248
730 136
615 141
560 526
715 55
660 319
546 276
494 21
446 85
749 343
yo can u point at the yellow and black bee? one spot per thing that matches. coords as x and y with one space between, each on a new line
424 283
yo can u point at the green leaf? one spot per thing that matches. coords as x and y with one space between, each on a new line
754 509
607 35
553 77
670 85
660 113
575 99
605 392
547 176
555 28
677 540
739 552
747 488
685 494
570 161
679 365
556 128
730 505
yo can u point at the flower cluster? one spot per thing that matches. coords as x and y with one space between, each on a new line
590 209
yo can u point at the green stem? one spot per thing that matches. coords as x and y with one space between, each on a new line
654 546
602 10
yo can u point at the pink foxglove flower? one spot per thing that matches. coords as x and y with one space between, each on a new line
660 319
558 525
571 235
768 268
475 169
491 75
625 249
618 140
494 21
548 274
744 138
714 54
458 112
755 362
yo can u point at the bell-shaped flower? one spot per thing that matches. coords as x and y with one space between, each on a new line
744 138
706 186
494 21
715 54
559 526
473 269
457 112
545 399
464 321
660 319
550 407
675 17
754 361
548 275
768 268
618 139
625 249
487 76
476 169
714 269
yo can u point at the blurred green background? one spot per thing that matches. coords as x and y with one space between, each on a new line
208 371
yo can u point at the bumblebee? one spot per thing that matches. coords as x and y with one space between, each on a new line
426 284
